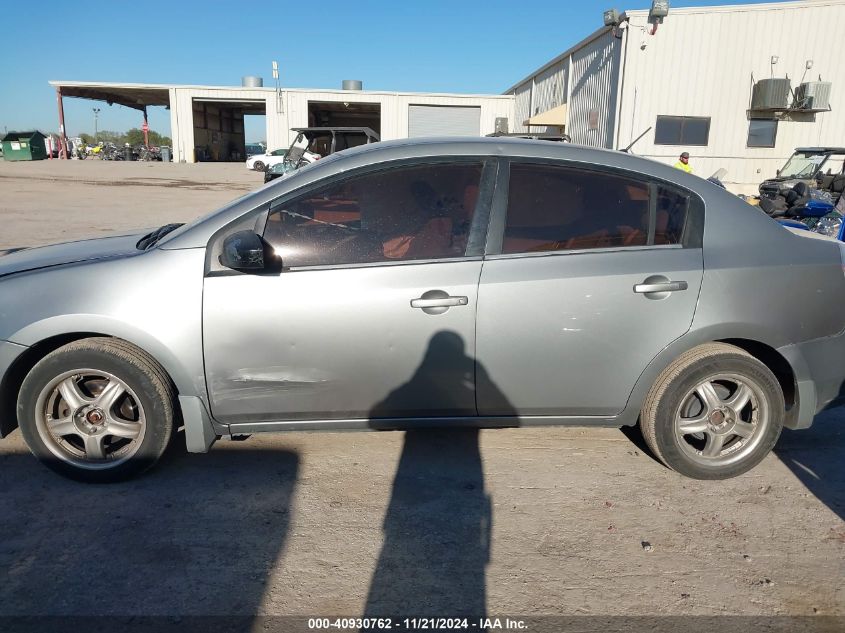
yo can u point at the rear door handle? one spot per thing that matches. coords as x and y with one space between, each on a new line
444 302
665 286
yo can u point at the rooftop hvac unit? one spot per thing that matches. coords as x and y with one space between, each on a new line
770 94
813 95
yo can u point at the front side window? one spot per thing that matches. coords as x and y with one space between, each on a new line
554 208
682 130
419 212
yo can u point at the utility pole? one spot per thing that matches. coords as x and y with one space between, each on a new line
96 112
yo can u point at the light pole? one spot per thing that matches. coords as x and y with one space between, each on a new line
96 113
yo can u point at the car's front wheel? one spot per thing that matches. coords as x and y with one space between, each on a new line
97 410
259 166
714 413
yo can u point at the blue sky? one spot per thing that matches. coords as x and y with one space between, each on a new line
439 46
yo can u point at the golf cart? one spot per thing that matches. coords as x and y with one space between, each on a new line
314 143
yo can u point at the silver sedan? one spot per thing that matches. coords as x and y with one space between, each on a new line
469 282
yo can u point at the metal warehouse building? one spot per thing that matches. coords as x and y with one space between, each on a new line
208 121
738 87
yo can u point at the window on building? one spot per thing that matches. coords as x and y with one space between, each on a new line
407 213
682 130
553 208
762 133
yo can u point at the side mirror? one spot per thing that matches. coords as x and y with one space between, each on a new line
243 250
778 173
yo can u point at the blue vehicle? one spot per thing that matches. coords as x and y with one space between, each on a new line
819 217
805 208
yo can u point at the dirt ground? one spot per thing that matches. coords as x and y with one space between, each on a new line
523 522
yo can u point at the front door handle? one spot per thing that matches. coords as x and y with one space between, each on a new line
663 286
444 302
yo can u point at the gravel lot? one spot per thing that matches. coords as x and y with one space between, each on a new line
523 521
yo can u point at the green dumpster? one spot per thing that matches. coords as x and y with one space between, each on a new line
24 146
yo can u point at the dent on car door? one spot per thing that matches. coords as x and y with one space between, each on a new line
373 314
589 274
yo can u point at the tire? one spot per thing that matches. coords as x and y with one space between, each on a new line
714 432
75 395
259 166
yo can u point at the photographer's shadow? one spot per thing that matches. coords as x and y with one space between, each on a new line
438 524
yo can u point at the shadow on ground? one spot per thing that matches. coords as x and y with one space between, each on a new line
158 545
817 457
437 528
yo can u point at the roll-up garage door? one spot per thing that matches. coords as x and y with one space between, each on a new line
426 120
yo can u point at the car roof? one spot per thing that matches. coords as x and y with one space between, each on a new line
436 148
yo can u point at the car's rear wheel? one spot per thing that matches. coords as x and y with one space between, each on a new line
259 166
714 413
97 410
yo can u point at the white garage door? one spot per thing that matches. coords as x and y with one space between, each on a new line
425 120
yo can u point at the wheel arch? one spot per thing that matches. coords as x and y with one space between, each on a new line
13 379
780 367
41 347
763 348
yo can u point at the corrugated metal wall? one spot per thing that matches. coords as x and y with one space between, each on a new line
522 107
595 77
550 91
700 64
544 91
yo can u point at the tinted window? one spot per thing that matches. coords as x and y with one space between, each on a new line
671 211
421 212
682 130
762 133
560 208
345 141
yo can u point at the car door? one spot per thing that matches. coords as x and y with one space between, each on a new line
373 312
589 274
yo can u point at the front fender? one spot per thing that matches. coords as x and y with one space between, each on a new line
182 363
153 301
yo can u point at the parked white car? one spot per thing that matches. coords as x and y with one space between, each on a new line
261 162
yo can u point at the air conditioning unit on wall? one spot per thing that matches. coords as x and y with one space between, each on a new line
813 95
770 94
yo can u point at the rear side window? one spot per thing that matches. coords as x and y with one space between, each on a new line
554 208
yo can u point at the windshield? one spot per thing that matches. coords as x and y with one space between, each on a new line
297 148
802 165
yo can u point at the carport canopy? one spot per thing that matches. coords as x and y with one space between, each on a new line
138 96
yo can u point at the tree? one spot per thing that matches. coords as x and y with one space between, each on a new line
110 137
134 137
